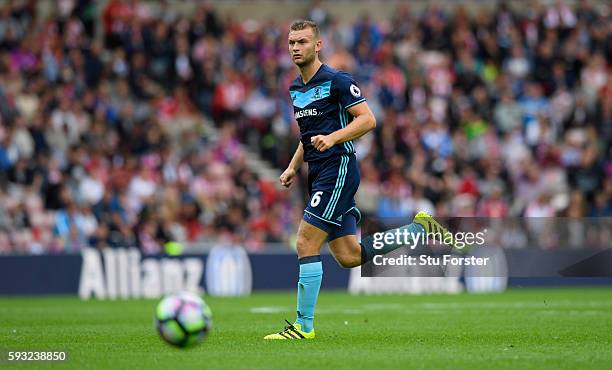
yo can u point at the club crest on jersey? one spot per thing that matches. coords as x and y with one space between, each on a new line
355 91
303 98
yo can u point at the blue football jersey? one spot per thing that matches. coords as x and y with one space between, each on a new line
320 108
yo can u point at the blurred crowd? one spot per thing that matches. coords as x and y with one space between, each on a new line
104 142
488 115
129 125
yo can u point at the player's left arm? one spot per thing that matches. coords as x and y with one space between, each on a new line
362 123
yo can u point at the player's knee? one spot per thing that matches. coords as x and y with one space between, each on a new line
349 260
305 247
347 251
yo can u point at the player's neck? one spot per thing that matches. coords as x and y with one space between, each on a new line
310 70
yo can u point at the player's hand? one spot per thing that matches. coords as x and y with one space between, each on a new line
322 142
286 178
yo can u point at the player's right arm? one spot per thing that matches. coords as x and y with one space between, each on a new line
286 178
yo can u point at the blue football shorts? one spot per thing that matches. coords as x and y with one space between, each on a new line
332 184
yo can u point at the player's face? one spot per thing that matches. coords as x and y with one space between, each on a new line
303 46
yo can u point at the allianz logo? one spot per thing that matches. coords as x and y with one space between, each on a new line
123 273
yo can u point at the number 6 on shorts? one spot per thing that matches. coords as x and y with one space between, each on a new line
316 199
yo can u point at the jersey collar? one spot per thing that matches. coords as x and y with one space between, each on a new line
313 76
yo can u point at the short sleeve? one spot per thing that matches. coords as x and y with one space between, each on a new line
349 94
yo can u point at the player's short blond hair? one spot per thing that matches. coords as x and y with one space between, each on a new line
303 24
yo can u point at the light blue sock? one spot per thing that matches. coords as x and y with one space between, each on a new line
311 274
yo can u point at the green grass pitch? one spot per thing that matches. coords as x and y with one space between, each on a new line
520 329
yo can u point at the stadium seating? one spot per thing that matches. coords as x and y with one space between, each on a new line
138 134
